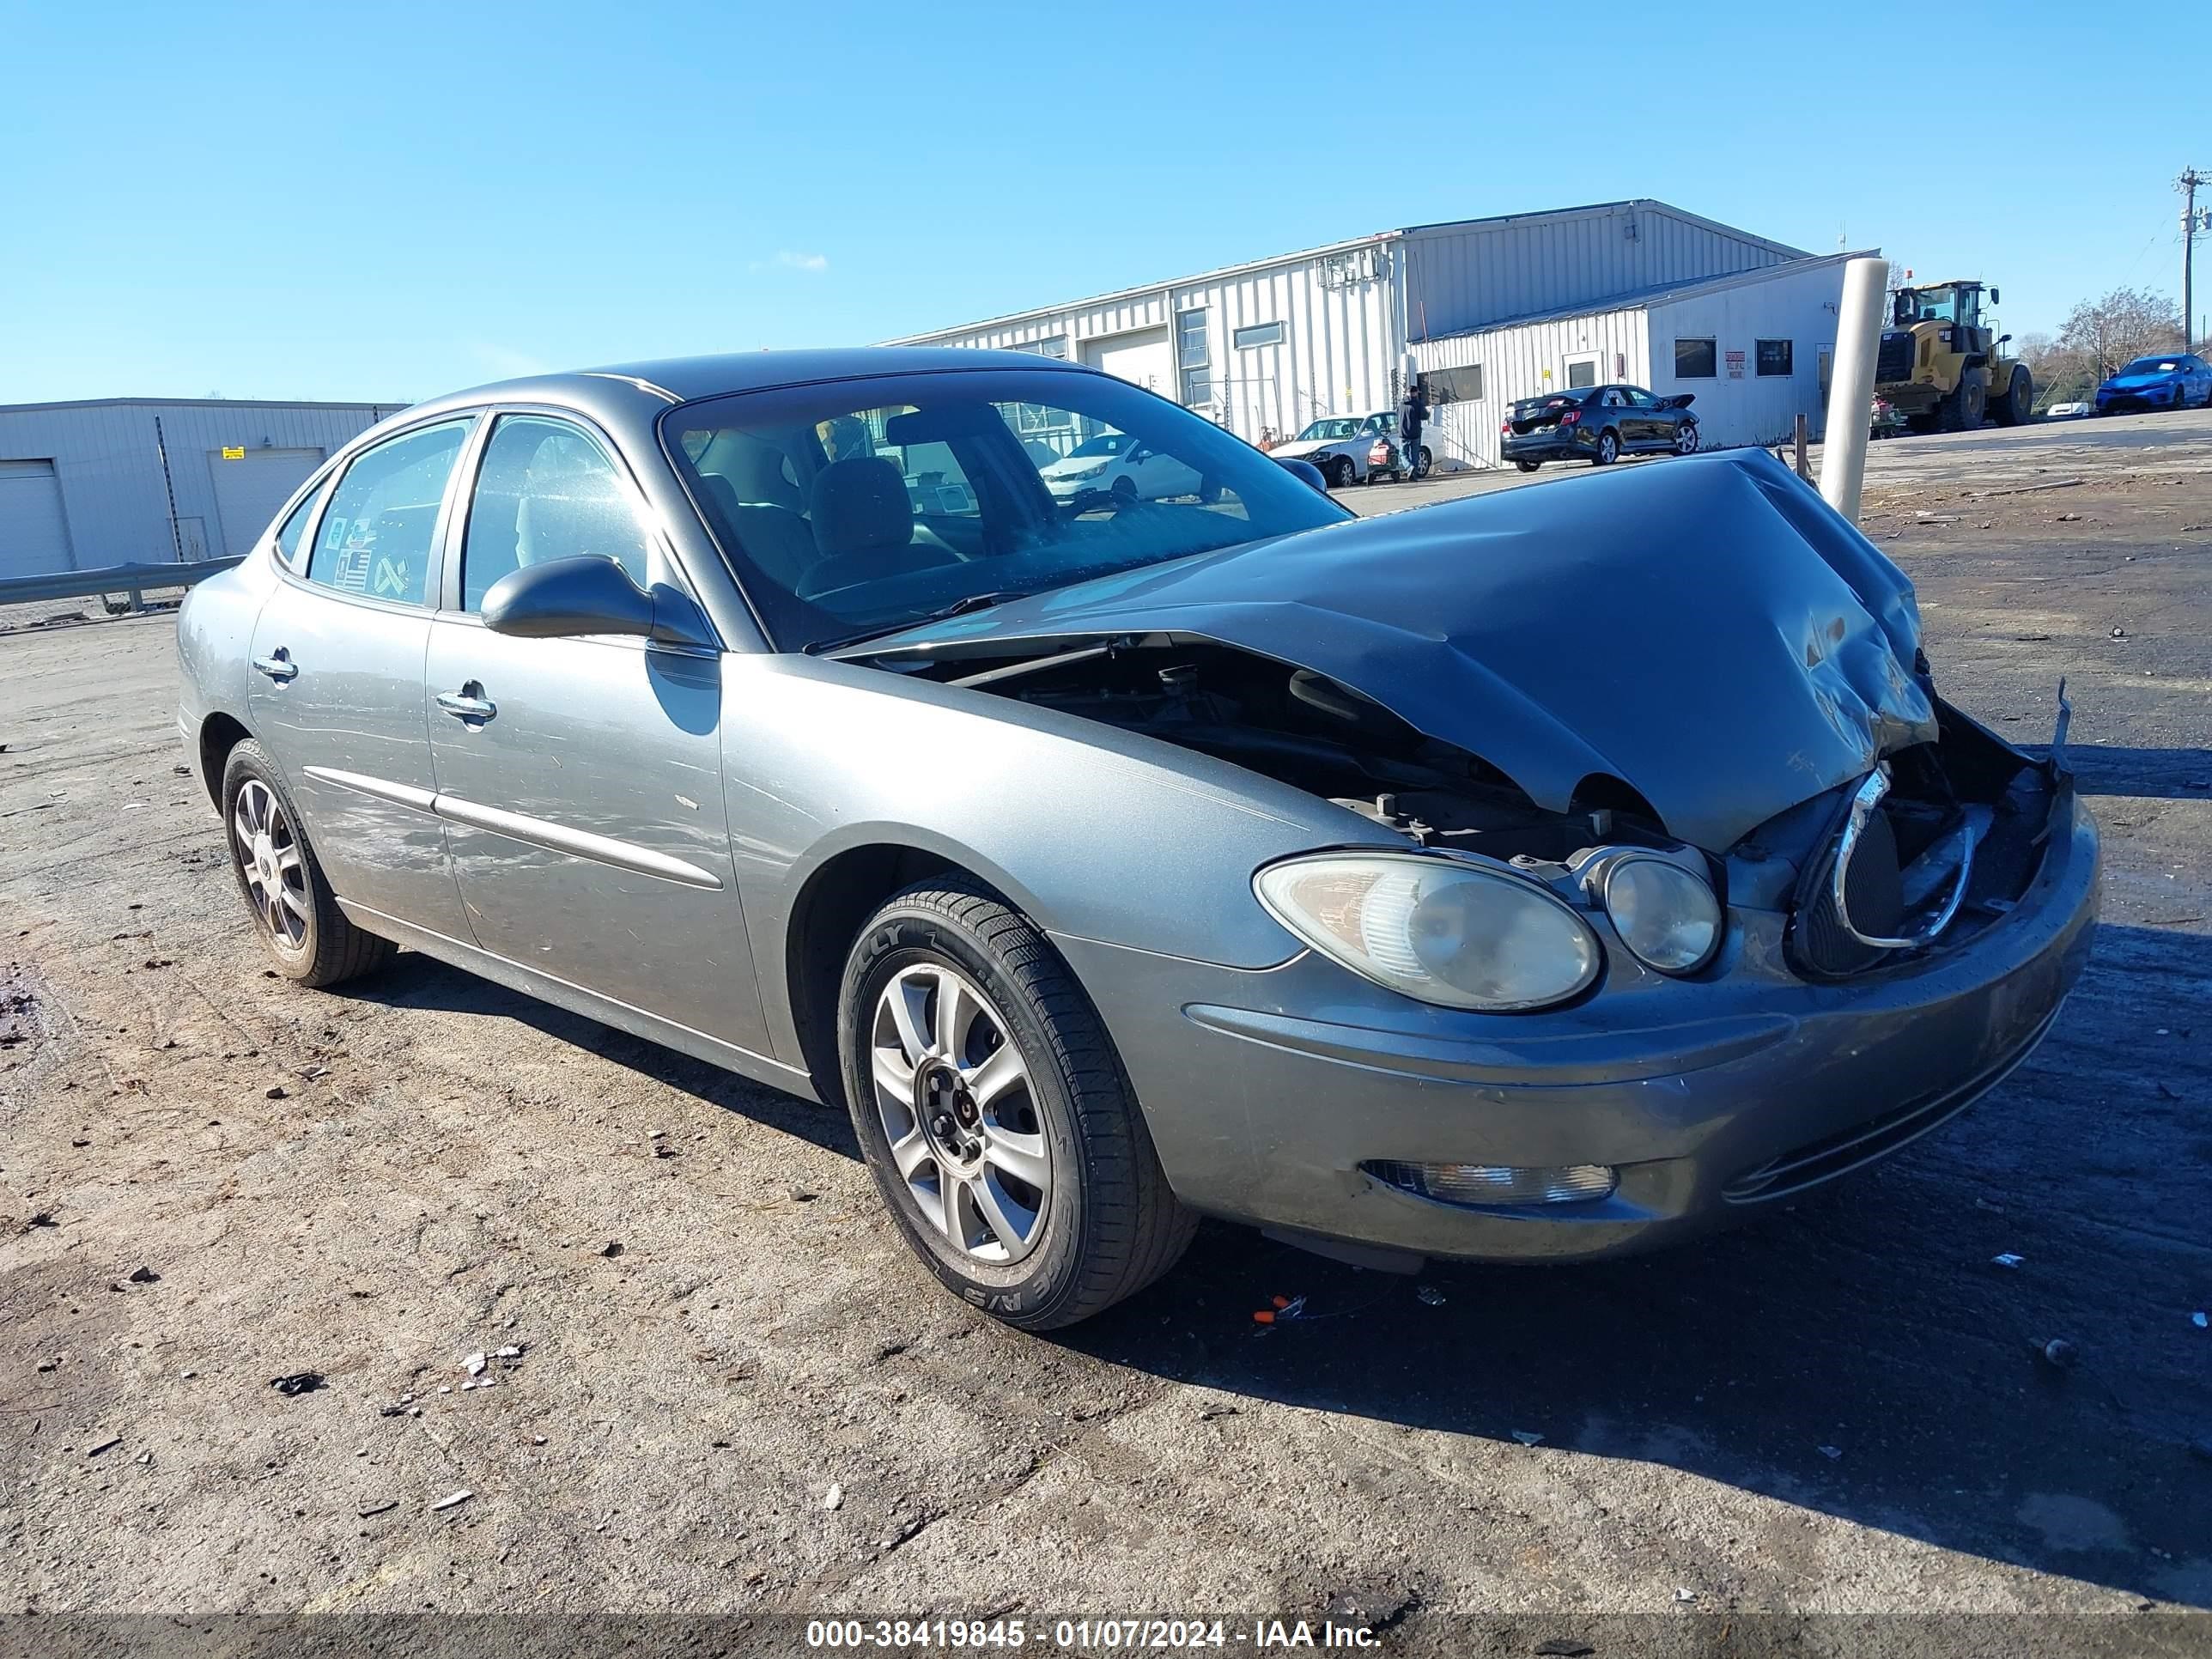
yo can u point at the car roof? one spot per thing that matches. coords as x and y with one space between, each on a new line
629 397
680 380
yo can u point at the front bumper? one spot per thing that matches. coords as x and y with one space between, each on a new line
1265 1091
2143 399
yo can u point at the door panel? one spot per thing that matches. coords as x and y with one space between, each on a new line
336 692
347 728
587 822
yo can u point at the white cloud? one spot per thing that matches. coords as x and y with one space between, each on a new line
813 262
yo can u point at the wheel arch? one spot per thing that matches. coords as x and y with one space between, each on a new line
834 898
220 733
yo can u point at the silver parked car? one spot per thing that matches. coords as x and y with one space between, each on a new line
1352 449
1539 876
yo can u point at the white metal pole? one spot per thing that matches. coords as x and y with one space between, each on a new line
1851 387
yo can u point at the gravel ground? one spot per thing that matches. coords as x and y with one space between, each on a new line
734 1393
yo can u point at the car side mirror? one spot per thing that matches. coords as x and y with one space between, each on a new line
1305 471
566 598
2002 338
1997 299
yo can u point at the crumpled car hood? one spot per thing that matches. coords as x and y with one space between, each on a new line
1706 630
1305 448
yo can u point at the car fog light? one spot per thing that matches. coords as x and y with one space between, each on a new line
1497 1183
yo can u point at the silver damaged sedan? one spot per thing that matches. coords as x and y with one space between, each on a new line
1537 876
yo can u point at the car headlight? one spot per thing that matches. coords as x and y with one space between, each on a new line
1082 473
1442 932
1662 913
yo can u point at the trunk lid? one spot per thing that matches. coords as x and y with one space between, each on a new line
1531 414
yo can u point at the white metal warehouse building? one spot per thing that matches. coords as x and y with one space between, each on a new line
129 481
1488 310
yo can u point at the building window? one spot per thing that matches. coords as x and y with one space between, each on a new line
1583 374
1193 359
1777 357
1463 385
1697 360
1052 346
1254 334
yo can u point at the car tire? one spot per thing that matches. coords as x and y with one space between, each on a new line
1341 472
1059 1205
308 937
1608 448
1685 439
1125 491
1527 467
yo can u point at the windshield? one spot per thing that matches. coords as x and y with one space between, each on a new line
1338 429
1932 305
2152 366
935 488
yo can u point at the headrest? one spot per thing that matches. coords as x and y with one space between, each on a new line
722 500
858 506
756 472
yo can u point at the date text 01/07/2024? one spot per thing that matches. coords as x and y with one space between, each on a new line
1087 1635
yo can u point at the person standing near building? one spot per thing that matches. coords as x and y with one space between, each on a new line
1411 412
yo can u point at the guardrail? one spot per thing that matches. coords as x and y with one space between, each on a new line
131 579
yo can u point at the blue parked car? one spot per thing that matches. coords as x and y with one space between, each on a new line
2173 379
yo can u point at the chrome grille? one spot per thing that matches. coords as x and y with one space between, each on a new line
1874 888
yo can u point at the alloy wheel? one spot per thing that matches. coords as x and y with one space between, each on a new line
1686 440
953 1094
268 855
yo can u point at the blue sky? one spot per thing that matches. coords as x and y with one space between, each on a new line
332 202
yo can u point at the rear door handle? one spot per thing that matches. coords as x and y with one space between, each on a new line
279 665
469 704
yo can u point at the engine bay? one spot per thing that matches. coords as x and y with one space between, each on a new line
1966 801
1304 729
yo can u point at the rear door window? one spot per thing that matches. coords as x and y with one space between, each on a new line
382 520
295 525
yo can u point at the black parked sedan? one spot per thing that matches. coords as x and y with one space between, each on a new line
1598 424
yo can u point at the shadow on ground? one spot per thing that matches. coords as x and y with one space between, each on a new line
418 982
1856 1352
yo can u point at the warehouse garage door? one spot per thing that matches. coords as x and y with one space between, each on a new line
249 489
1141 358
33 534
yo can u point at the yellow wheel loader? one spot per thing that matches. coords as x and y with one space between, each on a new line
1940 368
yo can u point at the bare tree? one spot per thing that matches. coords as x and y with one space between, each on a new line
2126 323
2062 373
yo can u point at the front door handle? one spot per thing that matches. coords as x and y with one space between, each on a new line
279 665
469 705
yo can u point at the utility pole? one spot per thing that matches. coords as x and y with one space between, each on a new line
2192 221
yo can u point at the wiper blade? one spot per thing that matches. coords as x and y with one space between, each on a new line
960 607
